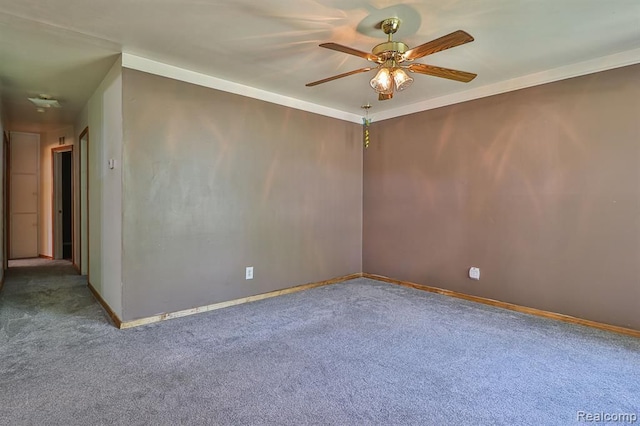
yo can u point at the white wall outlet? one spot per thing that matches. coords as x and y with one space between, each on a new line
249 273
474 273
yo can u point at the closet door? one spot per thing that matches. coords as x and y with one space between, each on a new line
24 156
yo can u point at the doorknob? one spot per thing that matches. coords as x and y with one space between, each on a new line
59 211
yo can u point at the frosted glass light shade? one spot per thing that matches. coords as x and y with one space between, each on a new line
401 79
382 82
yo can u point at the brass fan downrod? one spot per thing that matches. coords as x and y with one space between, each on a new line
390 26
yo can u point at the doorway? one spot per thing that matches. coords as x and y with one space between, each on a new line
62 202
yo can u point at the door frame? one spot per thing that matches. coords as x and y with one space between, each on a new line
5 190
84 135
56 195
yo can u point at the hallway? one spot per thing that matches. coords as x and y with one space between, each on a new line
39 267
41 294
52 334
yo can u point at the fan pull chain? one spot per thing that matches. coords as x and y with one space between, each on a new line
366 122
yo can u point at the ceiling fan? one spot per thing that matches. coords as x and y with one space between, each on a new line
391 54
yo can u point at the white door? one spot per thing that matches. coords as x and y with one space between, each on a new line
24 153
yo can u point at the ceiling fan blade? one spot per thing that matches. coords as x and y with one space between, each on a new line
335 77
462 76
351 51
454 39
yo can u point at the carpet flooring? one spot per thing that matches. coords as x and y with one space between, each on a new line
356 353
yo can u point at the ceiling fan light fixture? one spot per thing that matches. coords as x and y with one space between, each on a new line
382 82
391 74
401 79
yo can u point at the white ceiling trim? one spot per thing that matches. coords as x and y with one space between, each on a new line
176 73
617 60
629 57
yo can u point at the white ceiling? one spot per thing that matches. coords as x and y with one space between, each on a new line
65 48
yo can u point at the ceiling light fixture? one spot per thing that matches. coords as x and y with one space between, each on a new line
382 82
401 79
390 76
45 101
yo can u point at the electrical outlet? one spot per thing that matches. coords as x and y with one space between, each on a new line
249 273
474 273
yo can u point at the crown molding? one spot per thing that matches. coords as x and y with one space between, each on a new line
165 70
622 59
617 60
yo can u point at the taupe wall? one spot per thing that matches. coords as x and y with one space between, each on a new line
214 182
540 188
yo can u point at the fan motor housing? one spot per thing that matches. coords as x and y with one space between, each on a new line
390 46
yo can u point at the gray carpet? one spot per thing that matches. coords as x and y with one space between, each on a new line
357 353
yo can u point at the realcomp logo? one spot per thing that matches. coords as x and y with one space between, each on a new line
583 416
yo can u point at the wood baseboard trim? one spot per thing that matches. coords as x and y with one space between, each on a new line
221 305
509 306
76 267
4 274
114 318
44 256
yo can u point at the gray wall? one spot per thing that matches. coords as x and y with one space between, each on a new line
540 188
214 182
103 115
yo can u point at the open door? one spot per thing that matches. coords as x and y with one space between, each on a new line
62 202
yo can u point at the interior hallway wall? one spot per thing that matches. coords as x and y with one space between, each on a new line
215 182
540 188
103 116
